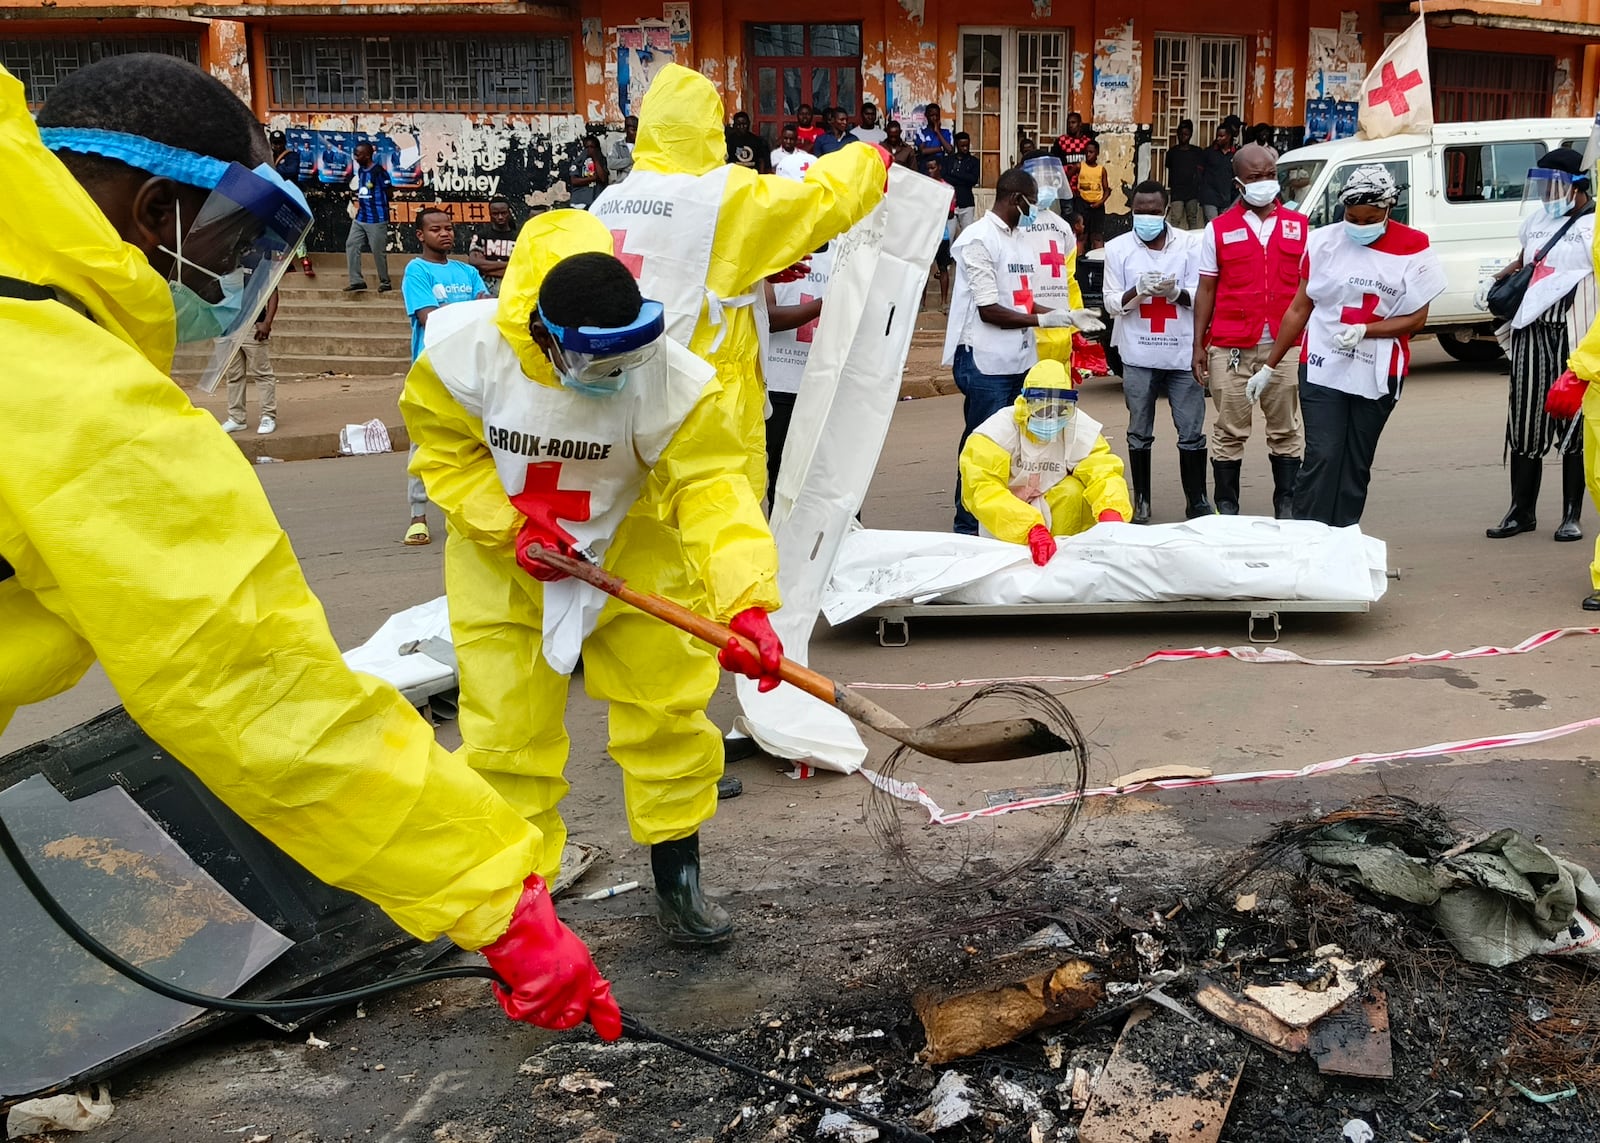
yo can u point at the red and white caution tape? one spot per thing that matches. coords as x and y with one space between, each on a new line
1249 655
911 792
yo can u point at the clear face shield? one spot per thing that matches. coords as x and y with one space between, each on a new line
597 361
1050 411
1550 192
1051 178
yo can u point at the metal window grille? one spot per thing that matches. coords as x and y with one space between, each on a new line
43 62
421 73
1195 77
1041 85
1469 87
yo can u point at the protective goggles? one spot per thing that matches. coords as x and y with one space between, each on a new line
590 353
1051 404
1555 191
229 258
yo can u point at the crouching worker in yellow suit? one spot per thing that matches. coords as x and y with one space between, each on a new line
133 531
1041 469
614 442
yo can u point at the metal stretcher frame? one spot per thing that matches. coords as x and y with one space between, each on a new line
1264 624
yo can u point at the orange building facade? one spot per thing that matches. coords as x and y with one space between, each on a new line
466 99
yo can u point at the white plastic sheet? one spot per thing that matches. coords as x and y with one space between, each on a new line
1210 558
416 675
847 398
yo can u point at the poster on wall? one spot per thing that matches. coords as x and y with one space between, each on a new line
677 17
1116 80
657 35
643 49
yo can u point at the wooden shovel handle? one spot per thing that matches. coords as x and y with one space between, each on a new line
706 630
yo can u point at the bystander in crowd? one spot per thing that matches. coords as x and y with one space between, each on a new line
490 250
369 220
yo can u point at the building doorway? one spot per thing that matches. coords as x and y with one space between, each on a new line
1015 83
819 64
1195 77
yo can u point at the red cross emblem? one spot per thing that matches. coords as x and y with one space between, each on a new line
1368 311
1023 298
1053 258
544 502
1158 311
1392 90
634 262
1540 270
806 332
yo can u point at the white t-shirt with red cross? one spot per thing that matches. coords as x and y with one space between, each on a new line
1351 284
1153 333
788 350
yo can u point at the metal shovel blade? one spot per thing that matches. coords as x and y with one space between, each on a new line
955 741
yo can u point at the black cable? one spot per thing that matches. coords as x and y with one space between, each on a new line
90 944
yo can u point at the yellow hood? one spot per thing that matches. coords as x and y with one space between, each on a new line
53 234
680 125
546 239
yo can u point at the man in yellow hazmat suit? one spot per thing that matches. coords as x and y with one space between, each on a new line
1040 468
615 442
1573 393
700 234
134 532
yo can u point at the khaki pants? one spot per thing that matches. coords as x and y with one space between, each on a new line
1280 404
251 363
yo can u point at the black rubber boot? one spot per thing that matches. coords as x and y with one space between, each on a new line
1139 483
1572 490
1225 475
1192 471
681 908
1285 471
1521 517
1592 602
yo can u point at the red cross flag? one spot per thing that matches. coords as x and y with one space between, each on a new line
1396 98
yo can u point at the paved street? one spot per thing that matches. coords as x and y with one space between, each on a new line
1439 482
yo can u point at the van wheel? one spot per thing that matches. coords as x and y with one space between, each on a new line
1464 346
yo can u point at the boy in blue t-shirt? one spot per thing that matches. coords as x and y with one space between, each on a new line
432 281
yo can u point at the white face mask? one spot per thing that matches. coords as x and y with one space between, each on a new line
1260 193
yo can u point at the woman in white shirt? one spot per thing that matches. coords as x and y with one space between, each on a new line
1365 287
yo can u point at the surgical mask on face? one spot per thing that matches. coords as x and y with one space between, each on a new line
1046 428
603 387
1047 198
1260 193
198 319
1030 214
1558 208
1365 235
1148 226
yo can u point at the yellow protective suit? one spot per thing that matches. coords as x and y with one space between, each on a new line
141 536
696 535
766 223
1094 485
1056 344
1585 362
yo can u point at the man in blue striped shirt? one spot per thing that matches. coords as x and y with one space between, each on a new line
369 225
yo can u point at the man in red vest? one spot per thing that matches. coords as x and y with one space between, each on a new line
1249 272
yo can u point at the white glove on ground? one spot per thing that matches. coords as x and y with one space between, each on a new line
1259 380
1055 319
1086 321
1480 300
1349 336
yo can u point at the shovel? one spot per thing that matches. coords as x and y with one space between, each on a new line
978 742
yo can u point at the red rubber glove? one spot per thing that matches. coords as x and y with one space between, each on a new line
754 625
1565 398
1041 544
554 983
793 274
540 500
1111 516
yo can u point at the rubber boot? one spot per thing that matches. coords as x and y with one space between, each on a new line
1572 490
1592 602
1521 517
1226 475
1139 478
1192 471
1285 471
681 908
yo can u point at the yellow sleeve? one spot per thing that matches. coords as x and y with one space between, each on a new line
1074 290
143 528
701 484
453 461
768 223
986 491
1100 473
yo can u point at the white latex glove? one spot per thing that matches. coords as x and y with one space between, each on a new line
1480 301
1258 382
1086 321
1149 284
1170 289
1055 319
1349 336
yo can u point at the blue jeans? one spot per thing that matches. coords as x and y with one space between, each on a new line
1141 387
985 395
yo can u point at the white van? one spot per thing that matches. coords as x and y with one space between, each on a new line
1461 186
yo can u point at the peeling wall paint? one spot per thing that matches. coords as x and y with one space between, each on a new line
1117 59
230 56
1564 96
1041 9
1080 66
913 8
1283 89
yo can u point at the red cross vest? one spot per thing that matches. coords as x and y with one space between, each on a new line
1255 283
995 351
786 351
588 455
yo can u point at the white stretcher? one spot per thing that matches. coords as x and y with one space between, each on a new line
1253 566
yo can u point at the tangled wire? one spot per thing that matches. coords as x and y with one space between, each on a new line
1064 771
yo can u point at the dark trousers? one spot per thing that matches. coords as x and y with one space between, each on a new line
1341 441
777 433
985 395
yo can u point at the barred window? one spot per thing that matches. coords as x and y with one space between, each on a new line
43 62
421 72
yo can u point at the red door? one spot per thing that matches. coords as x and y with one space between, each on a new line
817 64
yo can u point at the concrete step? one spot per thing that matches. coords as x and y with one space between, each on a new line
317 319
352 341
186 367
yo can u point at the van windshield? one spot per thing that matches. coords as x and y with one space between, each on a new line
1295 179
1299 178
